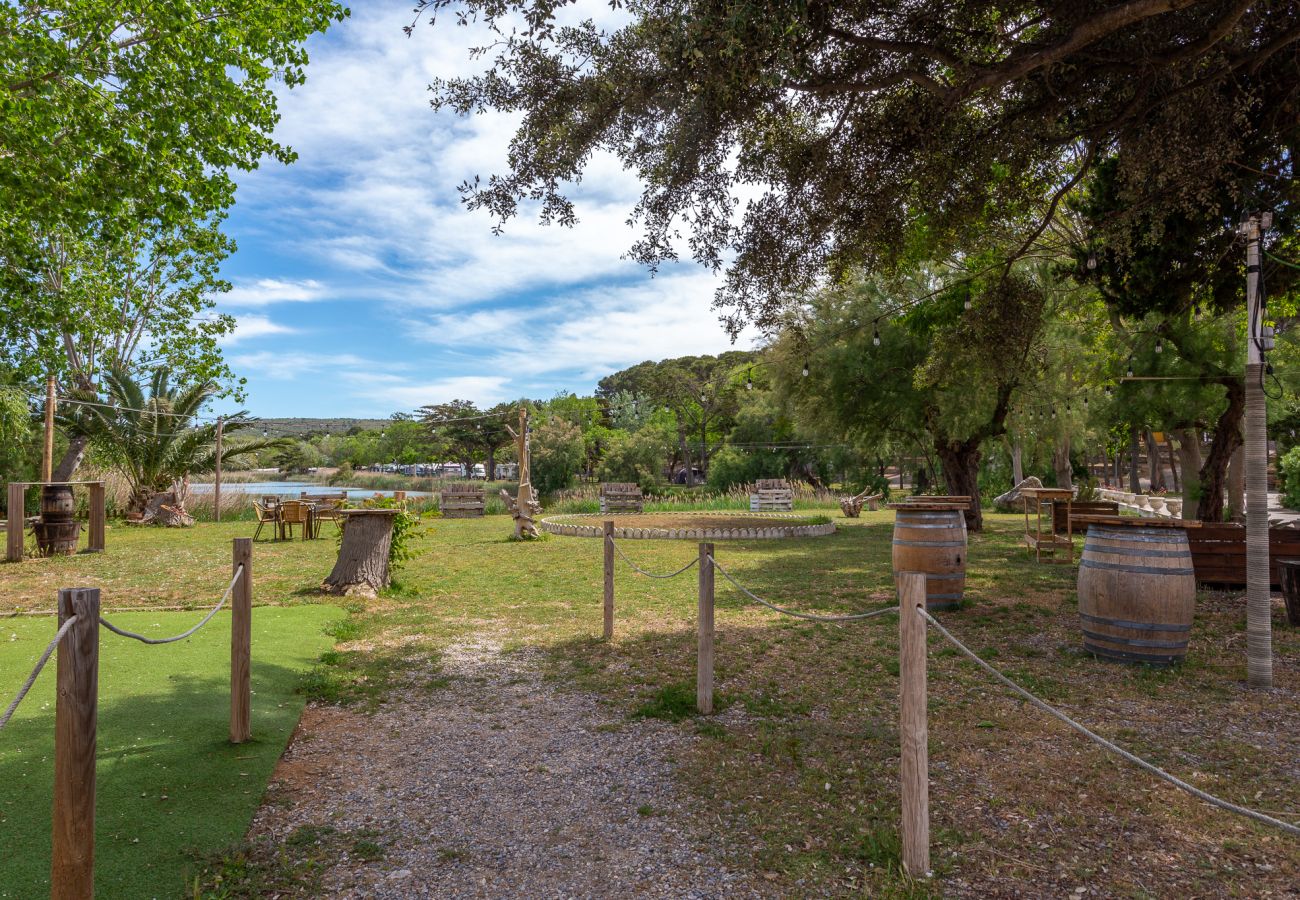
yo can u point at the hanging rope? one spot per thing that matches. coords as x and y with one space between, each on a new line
619 551
40 664
180 637
1101 741
799 615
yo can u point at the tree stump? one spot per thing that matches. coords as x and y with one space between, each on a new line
362 566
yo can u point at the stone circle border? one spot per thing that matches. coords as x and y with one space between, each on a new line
768 532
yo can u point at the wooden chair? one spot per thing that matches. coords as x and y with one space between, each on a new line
266 515
296 512
772 495
621 497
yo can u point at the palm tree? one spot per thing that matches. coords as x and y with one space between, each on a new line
153 440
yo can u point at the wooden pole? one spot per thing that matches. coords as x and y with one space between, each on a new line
704 665
609 580
241 639
72 869
914 781
47 455
14 534
216 480
95 540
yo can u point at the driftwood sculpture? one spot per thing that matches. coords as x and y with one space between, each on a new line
362 566
525 506
852 506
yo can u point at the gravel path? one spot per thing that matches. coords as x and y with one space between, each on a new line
498 785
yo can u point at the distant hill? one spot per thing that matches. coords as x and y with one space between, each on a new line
303 427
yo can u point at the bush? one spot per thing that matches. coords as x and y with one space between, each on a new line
558 454
637 457
1289 468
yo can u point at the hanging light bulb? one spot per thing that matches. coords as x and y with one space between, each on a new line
1085 401
749 380
1108 391
967 304
1130 367
875 335
805 370
1160 346
1092 260
1053 414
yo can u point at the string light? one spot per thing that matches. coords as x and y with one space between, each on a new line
749 379
1130 367
805 370
875 335
1160 346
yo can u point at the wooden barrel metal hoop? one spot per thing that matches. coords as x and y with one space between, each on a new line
933 542
1137 594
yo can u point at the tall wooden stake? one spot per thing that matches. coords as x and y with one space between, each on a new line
609 580
914 780
47 455
216 480
95 541
72 868
14 532
704 663
241 639
1259 603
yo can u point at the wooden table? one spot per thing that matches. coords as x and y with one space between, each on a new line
1036 541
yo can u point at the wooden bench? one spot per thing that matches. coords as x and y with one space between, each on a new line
1219 552
772 495
462 501
621 496
1061 512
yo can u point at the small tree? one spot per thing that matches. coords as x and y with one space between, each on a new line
558 454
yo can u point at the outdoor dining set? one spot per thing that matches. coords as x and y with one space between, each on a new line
307 513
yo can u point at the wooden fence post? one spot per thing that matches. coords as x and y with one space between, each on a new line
914 781
14 535
704 664
609 580
72 867
241 638
95 540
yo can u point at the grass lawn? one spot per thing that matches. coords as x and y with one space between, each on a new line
169 783
799 766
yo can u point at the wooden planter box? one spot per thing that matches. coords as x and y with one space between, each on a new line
1081 508
1219 553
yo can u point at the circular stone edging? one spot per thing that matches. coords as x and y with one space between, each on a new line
570 529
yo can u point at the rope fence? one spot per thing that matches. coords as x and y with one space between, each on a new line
180 637
1101 741
852 617
36 671
627 559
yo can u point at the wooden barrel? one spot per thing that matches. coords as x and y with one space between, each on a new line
1137 592
933 541
56 533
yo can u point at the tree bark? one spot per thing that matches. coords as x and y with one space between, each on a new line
1017 463
1227 438
1173 465
1237 486
686 453
961 468
72 458
362 566
1061 463
491 466
1155 474
1134 479
1189 460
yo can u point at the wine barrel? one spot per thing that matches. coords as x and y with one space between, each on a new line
932 541
56 533
1137 593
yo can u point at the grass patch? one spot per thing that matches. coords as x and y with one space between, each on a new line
169 784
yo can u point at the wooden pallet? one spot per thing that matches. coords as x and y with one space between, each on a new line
462 502
771 495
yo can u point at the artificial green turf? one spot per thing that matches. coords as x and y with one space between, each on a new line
169 783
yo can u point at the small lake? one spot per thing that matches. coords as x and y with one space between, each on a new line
293 489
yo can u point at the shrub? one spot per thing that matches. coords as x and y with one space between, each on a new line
637 457
558 454
1289 468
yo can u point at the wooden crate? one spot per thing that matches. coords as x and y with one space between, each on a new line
771 495
1081 508
462 502
1219 553
621 496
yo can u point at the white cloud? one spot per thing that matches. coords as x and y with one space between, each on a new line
254 326
266 291
402 393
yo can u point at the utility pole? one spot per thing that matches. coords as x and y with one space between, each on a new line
47 454
1259 604
216 481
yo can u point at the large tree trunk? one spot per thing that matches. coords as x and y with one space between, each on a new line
1134 477
1017 463
961 469
1227 438
1061 464
685 451
491 466
71 461
362 566
1237 486
1155 474
1189 460
1173 465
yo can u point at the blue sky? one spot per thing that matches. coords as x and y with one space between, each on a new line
362 286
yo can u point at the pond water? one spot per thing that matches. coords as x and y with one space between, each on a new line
293 489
